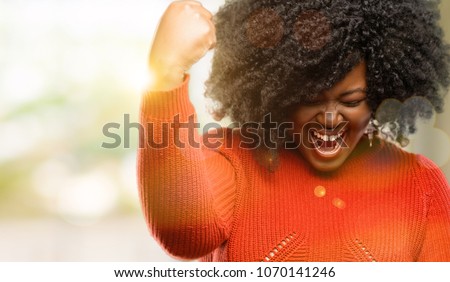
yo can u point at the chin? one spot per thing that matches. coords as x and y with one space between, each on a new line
326 166
323 162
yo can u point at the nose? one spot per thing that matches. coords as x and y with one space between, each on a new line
329 116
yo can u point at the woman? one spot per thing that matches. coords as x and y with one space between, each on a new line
305 177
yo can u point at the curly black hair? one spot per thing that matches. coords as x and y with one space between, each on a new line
273 54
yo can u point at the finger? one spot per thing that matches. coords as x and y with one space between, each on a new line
205 12
213 44
198 9
212 38
190 2
212 28
185 4
202 13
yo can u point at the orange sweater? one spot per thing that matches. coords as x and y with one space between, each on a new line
383 204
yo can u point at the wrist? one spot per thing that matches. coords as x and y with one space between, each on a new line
165 77
165 82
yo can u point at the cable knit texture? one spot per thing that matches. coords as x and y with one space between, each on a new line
383 204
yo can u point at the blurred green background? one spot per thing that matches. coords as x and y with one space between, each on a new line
66 69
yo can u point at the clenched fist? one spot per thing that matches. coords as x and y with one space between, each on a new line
184 35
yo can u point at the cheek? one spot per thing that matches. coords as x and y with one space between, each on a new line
301 117
360 118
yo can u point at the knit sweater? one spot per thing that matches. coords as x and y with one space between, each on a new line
382 204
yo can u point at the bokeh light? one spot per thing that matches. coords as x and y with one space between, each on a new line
320 191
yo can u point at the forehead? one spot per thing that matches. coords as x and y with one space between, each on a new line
356 78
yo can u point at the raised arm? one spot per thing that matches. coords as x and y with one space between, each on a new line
184 35
186 190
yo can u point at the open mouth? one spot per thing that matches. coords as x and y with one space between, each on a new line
328 144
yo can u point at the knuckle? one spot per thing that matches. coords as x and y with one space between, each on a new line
208 13
175 4
181 5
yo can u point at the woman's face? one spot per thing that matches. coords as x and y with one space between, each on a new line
331 126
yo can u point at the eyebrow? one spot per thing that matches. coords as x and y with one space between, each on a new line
346 93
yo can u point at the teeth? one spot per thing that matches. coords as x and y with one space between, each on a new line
327 137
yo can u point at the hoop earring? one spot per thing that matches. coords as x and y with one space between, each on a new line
370 129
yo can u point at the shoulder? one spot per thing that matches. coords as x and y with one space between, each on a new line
229 142
424 171
427 174
388 156
223 139
413 172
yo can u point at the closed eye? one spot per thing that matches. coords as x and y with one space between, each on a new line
354 103
311 102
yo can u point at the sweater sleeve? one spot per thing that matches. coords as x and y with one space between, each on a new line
187 190
436 242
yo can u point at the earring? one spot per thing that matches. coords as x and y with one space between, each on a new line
371 128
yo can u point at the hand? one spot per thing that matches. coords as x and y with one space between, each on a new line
185 34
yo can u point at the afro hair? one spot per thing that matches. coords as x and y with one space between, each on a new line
273 54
